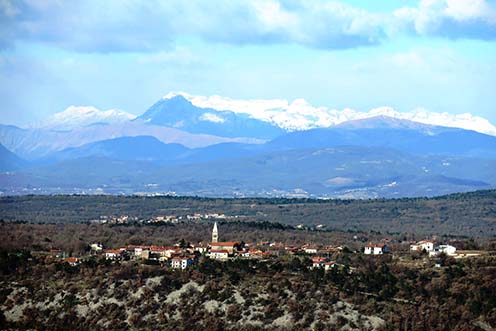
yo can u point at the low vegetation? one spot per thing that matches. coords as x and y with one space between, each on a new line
362 293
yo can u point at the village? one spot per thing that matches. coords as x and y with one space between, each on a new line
160 219
183 255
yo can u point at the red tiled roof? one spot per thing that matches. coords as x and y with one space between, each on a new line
114 251
319 259
137 246
164 248
71 260
376 245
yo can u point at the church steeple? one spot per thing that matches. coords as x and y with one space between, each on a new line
215 234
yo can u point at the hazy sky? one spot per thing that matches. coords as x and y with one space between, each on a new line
125 54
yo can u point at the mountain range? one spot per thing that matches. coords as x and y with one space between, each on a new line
178 147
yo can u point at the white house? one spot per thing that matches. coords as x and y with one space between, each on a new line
181 262
113 254
424 245
322 262
200 249
446 249
376 249
310 250
96 247
138 250
165 251
219 254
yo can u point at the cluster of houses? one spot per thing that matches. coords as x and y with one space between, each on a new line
430 247
322 262
376 249
185 255
181 257
125 219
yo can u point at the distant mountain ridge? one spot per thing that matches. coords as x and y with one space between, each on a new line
177 112
402 135
178 146
79 116
300 115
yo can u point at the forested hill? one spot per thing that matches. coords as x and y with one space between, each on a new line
470 214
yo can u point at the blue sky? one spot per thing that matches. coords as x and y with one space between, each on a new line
435 54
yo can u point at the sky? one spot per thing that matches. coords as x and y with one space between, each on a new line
439 55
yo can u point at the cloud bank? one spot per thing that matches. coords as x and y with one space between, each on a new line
132 25
300 115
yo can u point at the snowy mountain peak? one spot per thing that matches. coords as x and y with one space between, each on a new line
78 116
301 115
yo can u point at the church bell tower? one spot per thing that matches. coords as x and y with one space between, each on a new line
215 234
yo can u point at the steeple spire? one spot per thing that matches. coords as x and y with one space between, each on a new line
215 234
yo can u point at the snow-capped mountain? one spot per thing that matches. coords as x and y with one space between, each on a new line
178 112
196 121
80 116
218 111
300 115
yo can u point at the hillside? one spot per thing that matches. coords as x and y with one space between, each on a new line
236 170
280 294
139 148
402 135
10 161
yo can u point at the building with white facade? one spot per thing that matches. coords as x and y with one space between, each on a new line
376 249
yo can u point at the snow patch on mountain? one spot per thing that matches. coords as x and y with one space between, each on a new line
209 117
79 116
300 115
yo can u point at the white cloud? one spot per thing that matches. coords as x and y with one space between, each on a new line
300 115
8 8
113 26
462 10
450 18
